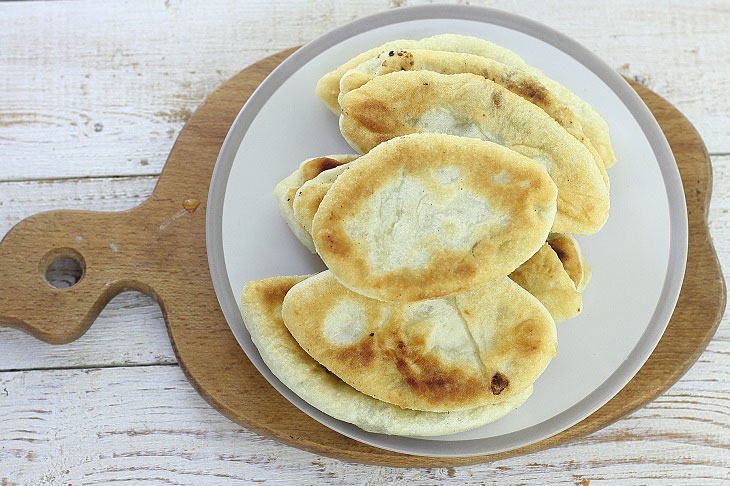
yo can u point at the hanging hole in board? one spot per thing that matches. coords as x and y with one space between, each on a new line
63 268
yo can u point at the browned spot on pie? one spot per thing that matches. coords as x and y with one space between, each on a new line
499 383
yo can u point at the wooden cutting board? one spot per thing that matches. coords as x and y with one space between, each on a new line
159 248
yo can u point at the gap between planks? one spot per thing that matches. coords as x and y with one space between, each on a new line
90 366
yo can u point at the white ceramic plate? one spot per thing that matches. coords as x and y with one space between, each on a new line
638 258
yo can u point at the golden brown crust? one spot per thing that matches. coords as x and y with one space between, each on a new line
407 102
391 229
285 191
570 255
384 353
512 78
421 355
269 294
260 306
310 195
558 288
568 259
328 87
544 277
311 168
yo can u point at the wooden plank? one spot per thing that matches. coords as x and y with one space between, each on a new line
18 200
147 425
103 88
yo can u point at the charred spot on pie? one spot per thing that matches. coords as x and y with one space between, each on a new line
499 383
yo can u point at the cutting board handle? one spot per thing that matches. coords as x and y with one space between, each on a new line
97 241
157 248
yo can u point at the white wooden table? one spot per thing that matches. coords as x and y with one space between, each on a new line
92 96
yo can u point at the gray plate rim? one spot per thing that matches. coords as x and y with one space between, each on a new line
580 410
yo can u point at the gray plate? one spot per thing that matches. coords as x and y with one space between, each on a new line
638 258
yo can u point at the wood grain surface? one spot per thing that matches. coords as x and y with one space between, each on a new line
167 234
678 50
